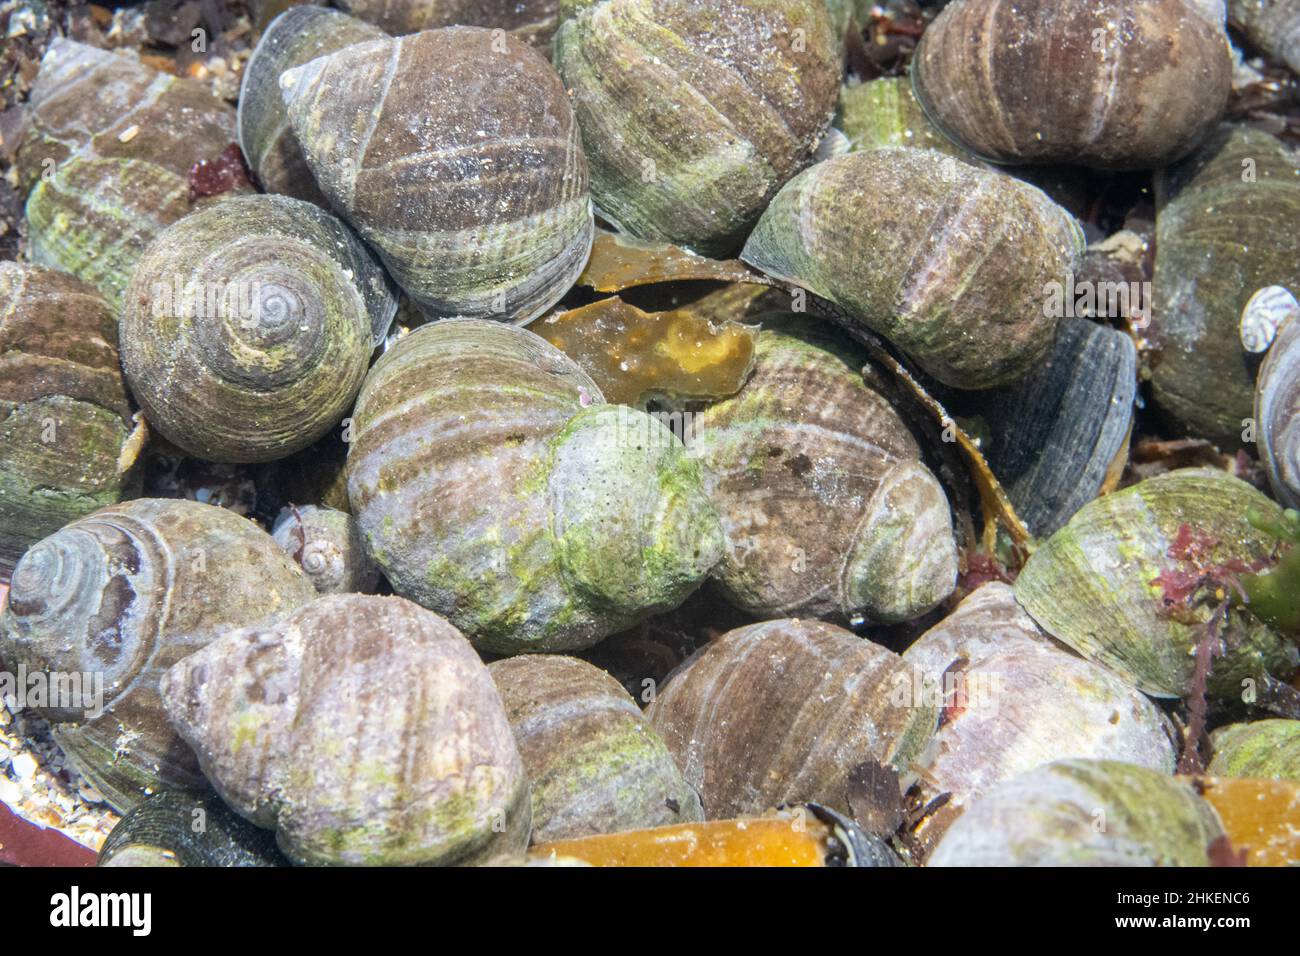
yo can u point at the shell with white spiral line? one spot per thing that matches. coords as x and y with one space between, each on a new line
1277 396
248 327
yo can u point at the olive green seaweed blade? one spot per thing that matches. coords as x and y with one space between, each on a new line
1100 583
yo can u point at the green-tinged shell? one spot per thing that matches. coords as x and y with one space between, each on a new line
951 263
1228 224
363 730
1097 583
594 762
1115 84
885 112
1055 435
694 114
109 143
183 829
532 21
1084 813
327 545
1277 412
1015 699
827 507
784 711
68 444
1271 25
455 153
115 599
1268 749
248 326
296 36
493 486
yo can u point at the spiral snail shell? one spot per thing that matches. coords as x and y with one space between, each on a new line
248 326
1118 84
363 730
1277 397
827 506
174 828
67 441
1272 25
595 763
693 114
959 259
532 21
477 204
109 143
494 486
1262 749
296 36
121 595
781 712
327 545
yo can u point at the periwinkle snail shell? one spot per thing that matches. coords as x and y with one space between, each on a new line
781 712
1268 749
1227 225
951 263
327 545
248 327
296 36
68 444
694 114
1277 409
363 730
174 828
533 21
594 762
1094 584
125 593
1017 700
1122 84
477 204
109 143
1271 25
1084 813
827 506
494 486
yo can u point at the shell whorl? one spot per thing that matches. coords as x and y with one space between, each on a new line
1277 412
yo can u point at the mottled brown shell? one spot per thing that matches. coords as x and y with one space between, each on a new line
595 763
784 711
363 730
68 444
123 594
533 21
1112 84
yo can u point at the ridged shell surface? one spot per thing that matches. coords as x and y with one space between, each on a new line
1268 749
533 21
327 545
1277 413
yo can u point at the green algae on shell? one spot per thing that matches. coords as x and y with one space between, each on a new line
783 711
456 155
296 36
594 762
175 828
1015 699
494 486
951 263
68 444
362 729
885 112
694 114
1268 749
1227 225
1096 584
248 326
1116 84
1084 813
108 144
827 507
118 597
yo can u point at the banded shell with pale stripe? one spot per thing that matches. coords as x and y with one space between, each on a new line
364 730
494 486
1111 84
123 594
953 264
296 36
456 155
1277 402
532 21
827 506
